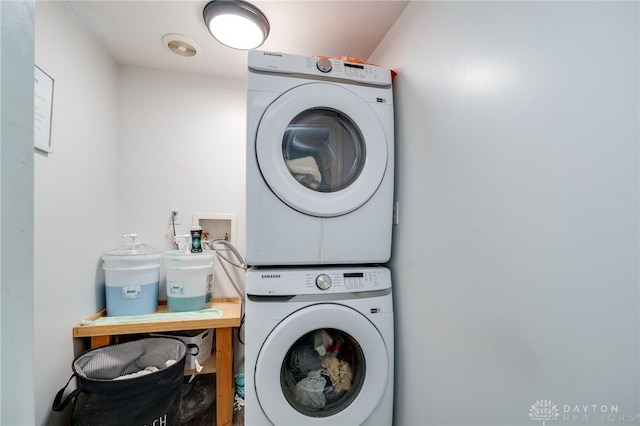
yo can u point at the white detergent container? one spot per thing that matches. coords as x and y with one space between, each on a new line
189 279
132 278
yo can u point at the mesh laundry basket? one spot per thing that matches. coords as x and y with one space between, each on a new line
134 383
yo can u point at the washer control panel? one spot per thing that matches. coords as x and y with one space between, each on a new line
274 62
297 281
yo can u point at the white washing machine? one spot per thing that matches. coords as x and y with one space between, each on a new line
320 145
319 347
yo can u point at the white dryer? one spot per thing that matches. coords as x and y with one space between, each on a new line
320 145
319 347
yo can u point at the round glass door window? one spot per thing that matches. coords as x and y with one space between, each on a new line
321 149
324 150
322 373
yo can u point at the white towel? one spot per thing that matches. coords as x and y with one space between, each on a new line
144 372
306 171
164 316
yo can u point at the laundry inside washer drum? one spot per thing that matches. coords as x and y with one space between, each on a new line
322 372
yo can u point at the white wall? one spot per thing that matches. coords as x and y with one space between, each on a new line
16 215
181 143
75 194
515 261
128 144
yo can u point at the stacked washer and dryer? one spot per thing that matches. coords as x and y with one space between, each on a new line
319 343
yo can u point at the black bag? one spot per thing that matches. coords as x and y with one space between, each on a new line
150 398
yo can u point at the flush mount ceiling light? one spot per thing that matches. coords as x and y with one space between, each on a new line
236 23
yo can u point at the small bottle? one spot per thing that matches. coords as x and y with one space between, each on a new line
196 239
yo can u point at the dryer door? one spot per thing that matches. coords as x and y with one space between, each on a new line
325 364
321 149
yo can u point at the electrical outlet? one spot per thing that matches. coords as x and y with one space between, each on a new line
176 214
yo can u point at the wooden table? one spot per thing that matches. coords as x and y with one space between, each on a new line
221 364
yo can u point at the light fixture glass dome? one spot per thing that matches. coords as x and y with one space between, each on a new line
236 23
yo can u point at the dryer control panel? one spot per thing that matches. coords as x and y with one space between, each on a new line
299 281
274 62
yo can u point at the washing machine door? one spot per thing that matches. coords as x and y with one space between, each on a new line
321 149
325 364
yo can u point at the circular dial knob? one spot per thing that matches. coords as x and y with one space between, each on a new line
324 65
323 281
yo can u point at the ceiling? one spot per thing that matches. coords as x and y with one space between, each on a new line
132 31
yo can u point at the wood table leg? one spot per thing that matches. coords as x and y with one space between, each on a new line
224 376
99 341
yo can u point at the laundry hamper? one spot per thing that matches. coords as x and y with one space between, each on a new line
133 383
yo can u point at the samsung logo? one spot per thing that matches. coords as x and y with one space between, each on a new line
270 275
278 55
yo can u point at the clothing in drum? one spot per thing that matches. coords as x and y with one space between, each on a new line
323 372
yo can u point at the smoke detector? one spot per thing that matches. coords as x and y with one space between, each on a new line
180 44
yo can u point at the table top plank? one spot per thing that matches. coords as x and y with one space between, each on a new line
231 311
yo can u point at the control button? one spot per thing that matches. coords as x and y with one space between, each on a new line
323 281
324 65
